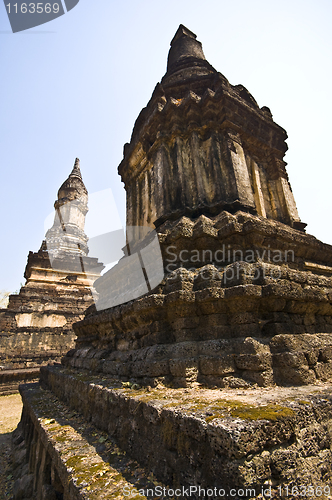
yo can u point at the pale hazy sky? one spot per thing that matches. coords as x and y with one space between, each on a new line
74 87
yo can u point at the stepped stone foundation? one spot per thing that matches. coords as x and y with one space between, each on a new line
218 375
220 324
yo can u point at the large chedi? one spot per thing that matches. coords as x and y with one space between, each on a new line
246 293
36 328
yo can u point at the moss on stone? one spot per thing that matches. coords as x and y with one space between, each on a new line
237 409
74 461
61 439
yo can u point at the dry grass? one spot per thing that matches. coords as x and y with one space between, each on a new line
10 414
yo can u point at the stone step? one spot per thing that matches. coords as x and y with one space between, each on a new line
72 459
232 440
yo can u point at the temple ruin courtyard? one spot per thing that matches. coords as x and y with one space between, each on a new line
200 365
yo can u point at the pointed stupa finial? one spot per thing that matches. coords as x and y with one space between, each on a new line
183 31
76 169
73 187
184 48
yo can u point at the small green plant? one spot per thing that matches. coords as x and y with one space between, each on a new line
130 385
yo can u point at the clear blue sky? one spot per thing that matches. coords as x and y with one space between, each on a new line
74 87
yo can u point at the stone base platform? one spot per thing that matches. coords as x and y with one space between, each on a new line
217 314
237 440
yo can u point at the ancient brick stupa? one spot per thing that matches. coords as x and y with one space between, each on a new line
205 167
245 301
36 328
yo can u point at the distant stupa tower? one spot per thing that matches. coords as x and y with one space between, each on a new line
36 328
71 207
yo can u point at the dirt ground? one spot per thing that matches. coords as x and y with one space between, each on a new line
10 414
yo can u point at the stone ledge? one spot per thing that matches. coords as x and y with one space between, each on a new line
11 379
62 455
283 360
229 439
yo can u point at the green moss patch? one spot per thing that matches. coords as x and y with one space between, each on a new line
237 409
